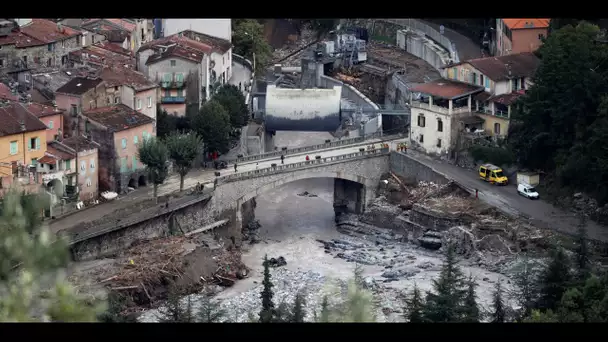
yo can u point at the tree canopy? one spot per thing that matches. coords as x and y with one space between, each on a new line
183 149
248 39
233 100
154 154
561 125
212 123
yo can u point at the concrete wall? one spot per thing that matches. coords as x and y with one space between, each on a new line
406 167
424 48
349 92
185 216
220 28
302 109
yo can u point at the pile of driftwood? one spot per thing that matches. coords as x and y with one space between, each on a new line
230 268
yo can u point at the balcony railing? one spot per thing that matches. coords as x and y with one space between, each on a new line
501 113
172 84
438 109
173 99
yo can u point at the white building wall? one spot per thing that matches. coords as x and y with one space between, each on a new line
502 87
297 104
431 135
223 64
220 28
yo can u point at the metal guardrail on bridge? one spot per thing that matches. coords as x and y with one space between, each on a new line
294 166
336 143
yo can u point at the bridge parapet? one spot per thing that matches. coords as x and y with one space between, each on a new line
295 166
329 145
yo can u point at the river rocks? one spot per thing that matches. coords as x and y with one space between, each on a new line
494 243
461 239
401 273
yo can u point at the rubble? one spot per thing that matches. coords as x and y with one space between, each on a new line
307 194
461 239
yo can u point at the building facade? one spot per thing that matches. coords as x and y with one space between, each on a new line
119 130
80 93
504 80
519 35
22 144
219 28
439 112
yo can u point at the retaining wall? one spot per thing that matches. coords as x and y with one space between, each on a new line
349 92
407 167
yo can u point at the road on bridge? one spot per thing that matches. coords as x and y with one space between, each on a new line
203 176
543 214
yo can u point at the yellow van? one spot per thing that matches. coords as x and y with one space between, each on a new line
493 174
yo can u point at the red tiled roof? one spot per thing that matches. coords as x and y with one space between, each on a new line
16 119
48 159
98 55
116 75
79 143
521 23
447 89
58 154
117 117
120 23
79 85
114 48
505 67
6 93
123 24
38 32
41 110
218 44
483 96
178 46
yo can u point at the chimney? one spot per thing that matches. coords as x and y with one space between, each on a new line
59 27
22 125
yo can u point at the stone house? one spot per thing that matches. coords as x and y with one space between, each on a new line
119 130
100 55
66 172
80 93
131 88
129 33
220 28
189 66
504 80
440 111
39 43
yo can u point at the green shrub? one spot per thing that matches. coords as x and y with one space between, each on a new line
494 155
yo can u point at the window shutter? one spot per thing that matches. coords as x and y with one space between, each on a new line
37 143
124 143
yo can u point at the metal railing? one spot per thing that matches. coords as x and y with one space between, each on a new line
430 32
336 143
294 166
173 99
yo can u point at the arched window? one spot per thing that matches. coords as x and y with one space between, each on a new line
497 128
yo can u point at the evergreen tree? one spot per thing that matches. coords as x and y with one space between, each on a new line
299 312
525 293
582 251
595 296
268 310
555 280
165 123
324 317
173 311
444 303
414 306
212 123
233 100
114 313
210 311
498 314
470 309
571 307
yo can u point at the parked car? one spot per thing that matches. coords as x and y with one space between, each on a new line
527 190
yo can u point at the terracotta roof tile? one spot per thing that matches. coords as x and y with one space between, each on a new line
497 68
117 117
110 24
81 143
6 93
218 44
116 75
114 48
48 159
58 154
521 23
507 99
447 89
16 119
41 110
100 56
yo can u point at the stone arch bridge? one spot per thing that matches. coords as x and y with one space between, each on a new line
356 179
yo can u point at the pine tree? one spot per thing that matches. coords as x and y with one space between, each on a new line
582 251
210 311
444 303
555 280
470 309
324 317
414 306
571 307
525 293
268 310
174 311
298 312
498 314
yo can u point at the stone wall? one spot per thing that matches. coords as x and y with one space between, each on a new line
181 218
409 168
433 219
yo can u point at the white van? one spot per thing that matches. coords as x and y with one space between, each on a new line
527 191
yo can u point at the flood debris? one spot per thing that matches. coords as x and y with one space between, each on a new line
307 194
